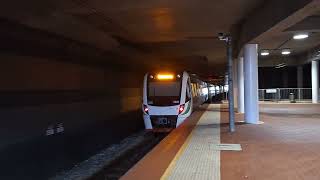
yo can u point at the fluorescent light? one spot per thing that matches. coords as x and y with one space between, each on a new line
301 36
280 65
264 53
285 52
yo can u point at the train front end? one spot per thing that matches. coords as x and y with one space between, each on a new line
163 106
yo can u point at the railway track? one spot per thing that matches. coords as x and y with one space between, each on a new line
119 167
115 161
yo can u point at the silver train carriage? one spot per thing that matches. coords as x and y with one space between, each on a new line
169 98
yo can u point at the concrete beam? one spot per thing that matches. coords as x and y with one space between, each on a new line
309 56
271 61
313 55
21 40
273 17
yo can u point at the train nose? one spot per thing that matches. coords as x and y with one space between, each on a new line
168 121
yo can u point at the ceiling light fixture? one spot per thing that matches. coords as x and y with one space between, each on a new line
300 36
285 52
264 53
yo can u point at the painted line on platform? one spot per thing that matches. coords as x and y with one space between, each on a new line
227 147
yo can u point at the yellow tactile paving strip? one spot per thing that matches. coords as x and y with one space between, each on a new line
155 163
198 158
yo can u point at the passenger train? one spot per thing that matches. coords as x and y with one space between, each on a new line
169 98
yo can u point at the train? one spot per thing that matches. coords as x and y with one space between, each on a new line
169 98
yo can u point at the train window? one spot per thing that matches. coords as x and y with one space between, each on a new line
197 86
188 93
193 90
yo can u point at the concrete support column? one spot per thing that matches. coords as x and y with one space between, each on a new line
240 86
315 81
251 83
285 78
222 90
300 82
300 76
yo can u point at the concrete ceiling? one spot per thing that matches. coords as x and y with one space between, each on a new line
307 20
165 28
157 31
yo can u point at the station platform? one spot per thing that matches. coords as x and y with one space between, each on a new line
285 146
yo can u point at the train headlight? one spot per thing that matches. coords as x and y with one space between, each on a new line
165 77
181 108
145 109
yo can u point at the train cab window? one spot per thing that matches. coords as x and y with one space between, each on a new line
164 93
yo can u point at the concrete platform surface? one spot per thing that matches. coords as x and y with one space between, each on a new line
285 146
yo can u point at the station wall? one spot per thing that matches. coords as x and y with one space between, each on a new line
271 77
63 112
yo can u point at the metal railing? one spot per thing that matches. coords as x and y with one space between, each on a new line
282 94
